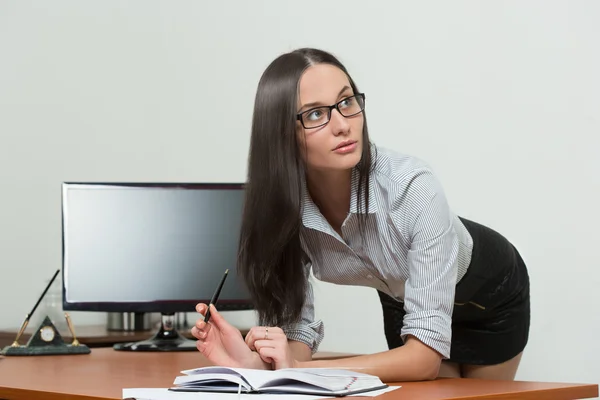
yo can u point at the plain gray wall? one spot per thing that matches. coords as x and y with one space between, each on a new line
502 98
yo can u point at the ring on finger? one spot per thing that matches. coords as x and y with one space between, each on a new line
266 333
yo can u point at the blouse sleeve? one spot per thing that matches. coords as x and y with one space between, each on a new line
432 260
307 330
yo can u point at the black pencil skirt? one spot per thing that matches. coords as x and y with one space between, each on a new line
491 317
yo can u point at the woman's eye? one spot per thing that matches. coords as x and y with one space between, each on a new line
314 115
347 102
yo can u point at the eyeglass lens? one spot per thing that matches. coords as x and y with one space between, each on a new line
320 116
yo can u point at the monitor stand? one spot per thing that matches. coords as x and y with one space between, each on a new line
166 339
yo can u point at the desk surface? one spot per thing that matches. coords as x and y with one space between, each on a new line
105 372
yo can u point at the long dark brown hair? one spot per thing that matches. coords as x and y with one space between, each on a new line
271 260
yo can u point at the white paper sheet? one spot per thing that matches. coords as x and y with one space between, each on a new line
165 394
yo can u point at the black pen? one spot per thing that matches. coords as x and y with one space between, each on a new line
28 316
215 297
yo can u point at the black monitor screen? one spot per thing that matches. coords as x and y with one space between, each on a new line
151 247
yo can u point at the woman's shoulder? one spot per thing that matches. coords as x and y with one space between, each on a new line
404 183
395 166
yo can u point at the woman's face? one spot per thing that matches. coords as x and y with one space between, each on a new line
334 144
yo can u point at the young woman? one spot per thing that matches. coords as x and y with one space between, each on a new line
320 195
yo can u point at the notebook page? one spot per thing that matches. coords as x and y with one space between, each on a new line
210 380
214 370
341 377
328 371
262 378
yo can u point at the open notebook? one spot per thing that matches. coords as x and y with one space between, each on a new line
315 381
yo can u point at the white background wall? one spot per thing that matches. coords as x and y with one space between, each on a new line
502 98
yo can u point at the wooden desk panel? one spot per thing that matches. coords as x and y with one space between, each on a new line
105 372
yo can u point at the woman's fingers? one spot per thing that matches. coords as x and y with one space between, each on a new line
201 329
195 333
265 358
202 326
248 337
199 334
279 345
268 354
250 341
269 350
252 336
201 308
275 352
263 333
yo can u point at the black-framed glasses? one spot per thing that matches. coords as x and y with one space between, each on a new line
319 116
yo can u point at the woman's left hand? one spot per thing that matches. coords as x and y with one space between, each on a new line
272 345
222 344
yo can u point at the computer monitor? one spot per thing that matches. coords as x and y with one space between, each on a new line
151 247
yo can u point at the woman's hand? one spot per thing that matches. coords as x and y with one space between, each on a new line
222 343
272 345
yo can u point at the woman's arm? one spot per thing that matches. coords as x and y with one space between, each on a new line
300 351
412 362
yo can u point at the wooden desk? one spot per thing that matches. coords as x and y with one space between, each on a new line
105 372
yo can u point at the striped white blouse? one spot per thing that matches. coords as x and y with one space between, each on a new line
416 249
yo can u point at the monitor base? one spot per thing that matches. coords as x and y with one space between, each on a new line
166 339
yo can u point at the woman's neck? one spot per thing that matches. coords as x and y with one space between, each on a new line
330 191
